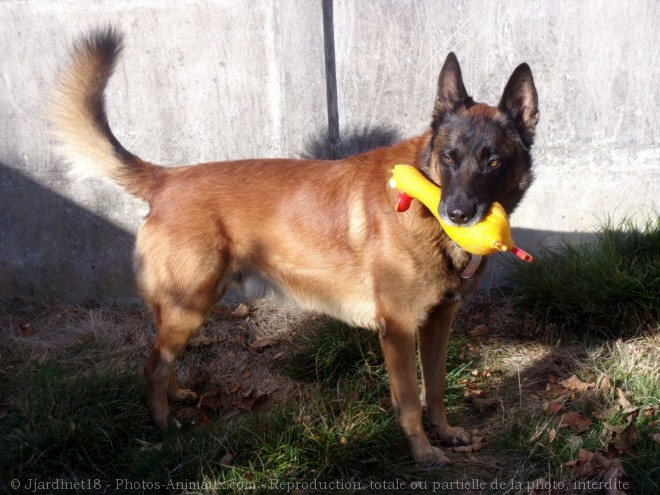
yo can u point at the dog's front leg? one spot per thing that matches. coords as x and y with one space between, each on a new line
398 344
433 342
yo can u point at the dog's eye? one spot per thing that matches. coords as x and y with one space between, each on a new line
447 159
493 163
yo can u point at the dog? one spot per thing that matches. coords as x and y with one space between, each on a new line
323 233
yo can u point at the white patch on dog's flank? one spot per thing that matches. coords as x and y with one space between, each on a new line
357 223
356 312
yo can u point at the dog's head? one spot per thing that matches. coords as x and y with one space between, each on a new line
481 154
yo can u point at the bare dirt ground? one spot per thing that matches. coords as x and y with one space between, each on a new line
236 351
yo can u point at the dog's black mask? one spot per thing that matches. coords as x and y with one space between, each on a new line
479 154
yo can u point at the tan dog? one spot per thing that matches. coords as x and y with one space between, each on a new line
324 233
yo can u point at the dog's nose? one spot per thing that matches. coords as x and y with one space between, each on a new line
462 214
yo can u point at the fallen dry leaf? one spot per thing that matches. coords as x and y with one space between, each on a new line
484 405
242 342
386 402
623 440
210 404
203 342
478 332
614 428
552 434
554 389
611 479
476 445
26 329
146 446
236 388
583 465
576 421
631 414
203 419
591 464
649 411
241 311
259 344
625 403
227 460
574 383
473 390
554 406
606 413
251 400
604 384
655 437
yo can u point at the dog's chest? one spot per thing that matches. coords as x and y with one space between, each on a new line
457 274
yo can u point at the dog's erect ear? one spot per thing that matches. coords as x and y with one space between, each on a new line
520 102
451 91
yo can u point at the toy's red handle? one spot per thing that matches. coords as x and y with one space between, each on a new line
523 255
402 202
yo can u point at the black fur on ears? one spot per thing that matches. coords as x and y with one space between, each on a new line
451 93
520 102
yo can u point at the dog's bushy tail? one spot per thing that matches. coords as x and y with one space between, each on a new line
79 122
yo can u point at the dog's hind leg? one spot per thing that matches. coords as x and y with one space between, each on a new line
179 277
176 323
433 342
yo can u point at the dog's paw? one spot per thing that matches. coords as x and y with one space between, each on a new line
425 454
451 436
182 395
433 459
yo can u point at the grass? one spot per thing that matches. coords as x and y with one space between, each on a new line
71 420
72 397
604 297
609 286
336 352
71 416
542 447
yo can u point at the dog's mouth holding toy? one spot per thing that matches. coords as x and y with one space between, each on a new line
491 235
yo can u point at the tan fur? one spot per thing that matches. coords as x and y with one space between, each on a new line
324 233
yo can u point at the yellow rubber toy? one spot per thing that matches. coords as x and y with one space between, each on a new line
491 235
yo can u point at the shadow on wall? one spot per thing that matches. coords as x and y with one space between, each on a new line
52 248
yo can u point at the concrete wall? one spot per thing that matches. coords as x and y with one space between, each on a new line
203 80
